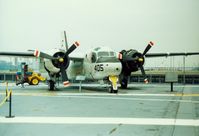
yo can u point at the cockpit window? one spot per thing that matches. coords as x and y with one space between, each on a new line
93 57
102 54
107 59
112 53
106 56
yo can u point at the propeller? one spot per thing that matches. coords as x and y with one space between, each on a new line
64 77
38 53
133 60
144 74
60 60
63 66
150 44
148 48
72 48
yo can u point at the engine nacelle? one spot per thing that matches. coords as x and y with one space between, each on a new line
53 66
131 60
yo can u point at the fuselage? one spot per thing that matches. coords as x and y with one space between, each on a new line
98 64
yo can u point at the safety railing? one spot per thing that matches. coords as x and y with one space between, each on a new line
8 98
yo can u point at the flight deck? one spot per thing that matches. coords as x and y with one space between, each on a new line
140 110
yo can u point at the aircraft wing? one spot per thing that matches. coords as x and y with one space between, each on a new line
31 54
171 54
18 54
76 58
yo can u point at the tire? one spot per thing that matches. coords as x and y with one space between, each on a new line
34 81
124 80
115 91
124 83
51 85
110 89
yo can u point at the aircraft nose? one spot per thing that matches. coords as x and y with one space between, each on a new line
113 67
107 69
117 68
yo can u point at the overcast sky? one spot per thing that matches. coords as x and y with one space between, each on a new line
121 24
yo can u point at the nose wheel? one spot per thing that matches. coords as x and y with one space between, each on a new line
113 81
111 90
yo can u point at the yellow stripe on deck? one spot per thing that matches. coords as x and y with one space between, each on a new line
187 95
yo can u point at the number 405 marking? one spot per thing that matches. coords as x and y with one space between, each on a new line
99 67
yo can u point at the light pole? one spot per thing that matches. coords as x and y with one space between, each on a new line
184 69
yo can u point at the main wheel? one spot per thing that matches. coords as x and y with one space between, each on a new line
124 83
34 81
110 89
51 85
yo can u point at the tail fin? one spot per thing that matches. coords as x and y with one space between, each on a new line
64 43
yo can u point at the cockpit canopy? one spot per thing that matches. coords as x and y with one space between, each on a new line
100 56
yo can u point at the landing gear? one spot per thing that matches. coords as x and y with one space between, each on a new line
51 85
111 90
113 81
124 83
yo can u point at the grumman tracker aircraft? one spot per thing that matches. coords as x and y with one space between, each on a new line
101 63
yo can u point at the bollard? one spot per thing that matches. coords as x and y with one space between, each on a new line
10 106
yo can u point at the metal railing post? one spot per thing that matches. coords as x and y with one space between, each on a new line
10 106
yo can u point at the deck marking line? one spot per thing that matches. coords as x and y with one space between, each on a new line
100 120
106 97
100 94
129 99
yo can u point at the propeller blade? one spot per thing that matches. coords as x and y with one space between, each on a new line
64 77
119 56
148 47
144 74
72 48
38 53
